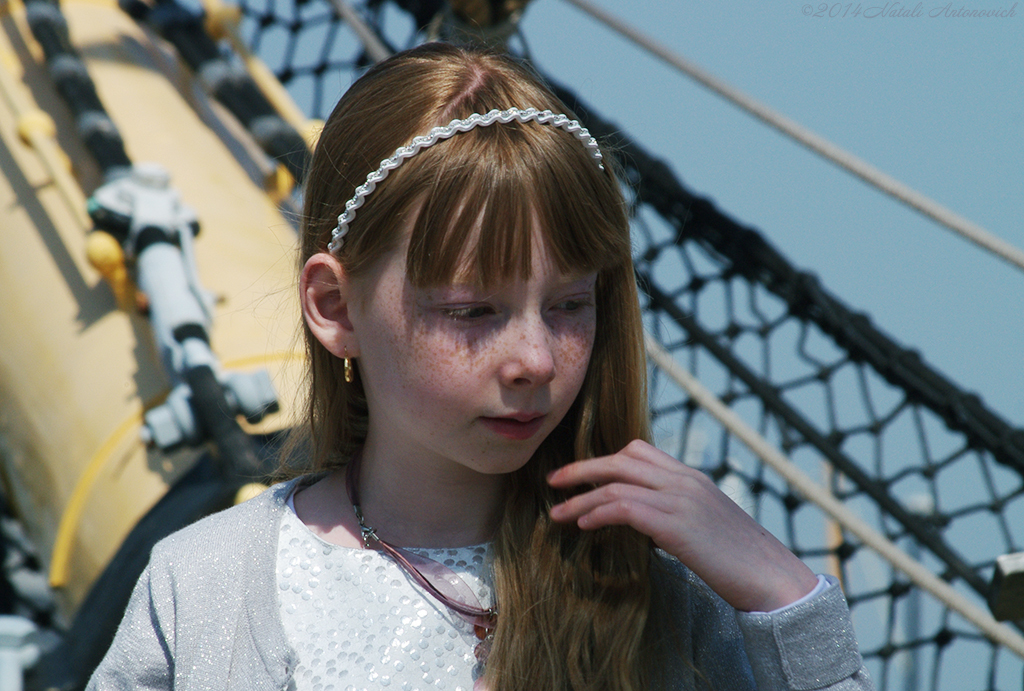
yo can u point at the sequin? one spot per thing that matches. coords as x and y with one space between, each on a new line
386 631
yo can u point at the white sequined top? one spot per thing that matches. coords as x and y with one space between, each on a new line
356 620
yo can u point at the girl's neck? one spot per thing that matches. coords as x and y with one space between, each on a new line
427 502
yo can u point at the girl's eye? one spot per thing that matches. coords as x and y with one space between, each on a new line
467 313
574 305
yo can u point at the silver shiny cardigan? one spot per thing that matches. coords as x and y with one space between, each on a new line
204 615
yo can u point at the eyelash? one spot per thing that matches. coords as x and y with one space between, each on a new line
578 304
474 312
465 313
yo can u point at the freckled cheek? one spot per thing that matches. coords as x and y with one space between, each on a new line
434 364
575 348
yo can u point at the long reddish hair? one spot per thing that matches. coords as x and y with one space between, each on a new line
574 606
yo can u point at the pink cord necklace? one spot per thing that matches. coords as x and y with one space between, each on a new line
443 584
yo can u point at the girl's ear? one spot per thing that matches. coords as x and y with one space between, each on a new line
325 294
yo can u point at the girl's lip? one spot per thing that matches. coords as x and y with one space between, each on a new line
518 427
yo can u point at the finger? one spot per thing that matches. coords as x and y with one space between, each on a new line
582 504
605 470
647 472
644 452
640 516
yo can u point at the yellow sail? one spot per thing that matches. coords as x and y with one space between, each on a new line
75 370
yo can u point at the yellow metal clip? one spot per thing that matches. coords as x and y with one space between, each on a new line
105 254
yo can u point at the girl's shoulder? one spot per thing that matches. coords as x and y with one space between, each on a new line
222 537
213 584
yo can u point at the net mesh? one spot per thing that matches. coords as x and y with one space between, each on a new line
798 367
971 502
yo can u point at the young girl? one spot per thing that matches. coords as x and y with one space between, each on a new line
485 512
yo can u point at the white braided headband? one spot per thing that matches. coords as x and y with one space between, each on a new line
544 117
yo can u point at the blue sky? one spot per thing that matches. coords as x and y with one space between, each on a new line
936 102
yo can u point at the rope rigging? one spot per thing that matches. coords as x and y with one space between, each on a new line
795 477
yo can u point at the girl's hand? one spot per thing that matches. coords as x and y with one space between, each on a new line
686 515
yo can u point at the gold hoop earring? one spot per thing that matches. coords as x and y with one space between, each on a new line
349 376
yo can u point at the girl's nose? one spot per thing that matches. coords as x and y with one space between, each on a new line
530 358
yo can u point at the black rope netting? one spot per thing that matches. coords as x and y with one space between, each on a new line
307 47
926 464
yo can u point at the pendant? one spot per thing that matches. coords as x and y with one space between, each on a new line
483 649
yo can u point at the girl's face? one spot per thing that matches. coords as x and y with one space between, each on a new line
469 376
